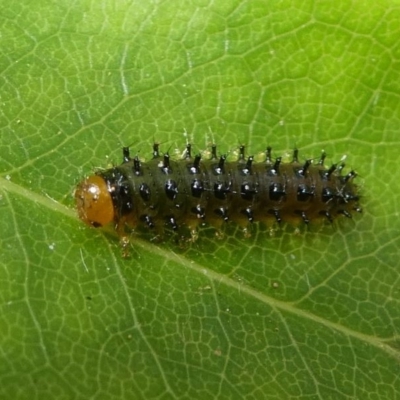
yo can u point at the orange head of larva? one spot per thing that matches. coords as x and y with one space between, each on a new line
93 201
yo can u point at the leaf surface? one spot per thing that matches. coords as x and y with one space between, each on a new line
311 314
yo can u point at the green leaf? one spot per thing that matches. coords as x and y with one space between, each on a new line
313 315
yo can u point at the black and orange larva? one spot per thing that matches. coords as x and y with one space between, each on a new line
191 190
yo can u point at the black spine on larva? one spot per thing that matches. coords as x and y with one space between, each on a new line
164 191
120 189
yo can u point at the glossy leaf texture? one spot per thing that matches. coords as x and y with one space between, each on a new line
286 314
